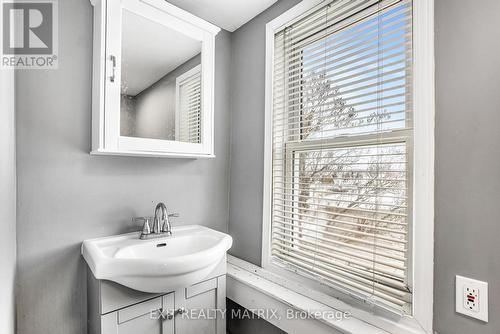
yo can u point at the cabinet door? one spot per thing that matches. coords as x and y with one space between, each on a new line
204 306
142 318
156 71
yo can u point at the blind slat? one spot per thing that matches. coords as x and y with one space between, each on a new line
375 227
325 272
190 109
353 239
338 246
389 21
341 210
339 255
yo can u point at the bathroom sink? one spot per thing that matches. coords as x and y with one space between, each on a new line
157 265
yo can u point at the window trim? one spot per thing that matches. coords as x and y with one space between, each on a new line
423 155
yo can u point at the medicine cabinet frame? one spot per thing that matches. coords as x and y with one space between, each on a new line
106 85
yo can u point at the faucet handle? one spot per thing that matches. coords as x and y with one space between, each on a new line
146 227
175 215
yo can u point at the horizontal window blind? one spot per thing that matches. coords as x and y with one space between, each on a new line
190 109
342 149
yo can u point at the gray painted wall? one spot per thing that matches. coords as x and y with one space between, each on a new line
467 227
7 202
151 113
65 195
247 133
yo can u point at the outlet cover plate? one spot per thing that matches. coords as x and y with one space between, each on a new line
471 297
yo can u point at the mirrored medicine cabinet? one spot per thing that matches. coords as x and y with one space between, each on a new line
153 80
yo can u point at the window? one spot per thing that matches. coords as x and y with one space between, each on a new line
188 118
341 183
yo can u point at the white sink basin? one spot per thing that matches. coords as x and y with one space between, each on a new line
157 265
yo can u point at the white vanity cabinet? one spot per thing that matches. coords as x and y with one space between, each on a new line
153 80
196 309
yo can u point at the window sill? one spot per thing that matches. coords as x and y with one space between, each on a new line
258 289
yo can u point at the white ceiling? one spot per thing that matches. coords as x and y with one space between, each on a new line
150 51
227 14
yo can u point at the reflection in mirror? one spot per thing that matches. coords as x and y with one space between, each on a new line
160 82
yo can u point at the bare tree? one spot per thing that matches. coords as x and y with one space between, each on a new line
327 181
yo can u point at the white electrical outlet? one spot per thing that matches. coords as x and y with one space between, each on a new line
471 297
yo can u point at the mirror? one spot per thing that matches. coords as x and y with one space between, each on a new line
160 82
153 81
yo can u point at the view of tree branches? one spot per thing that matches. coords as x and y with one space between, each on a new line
347 191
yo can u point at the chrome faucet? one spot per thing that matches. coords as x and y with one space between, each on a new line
160 215
161 223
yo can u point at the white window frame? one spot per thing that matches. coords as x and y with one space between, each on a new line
423 169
